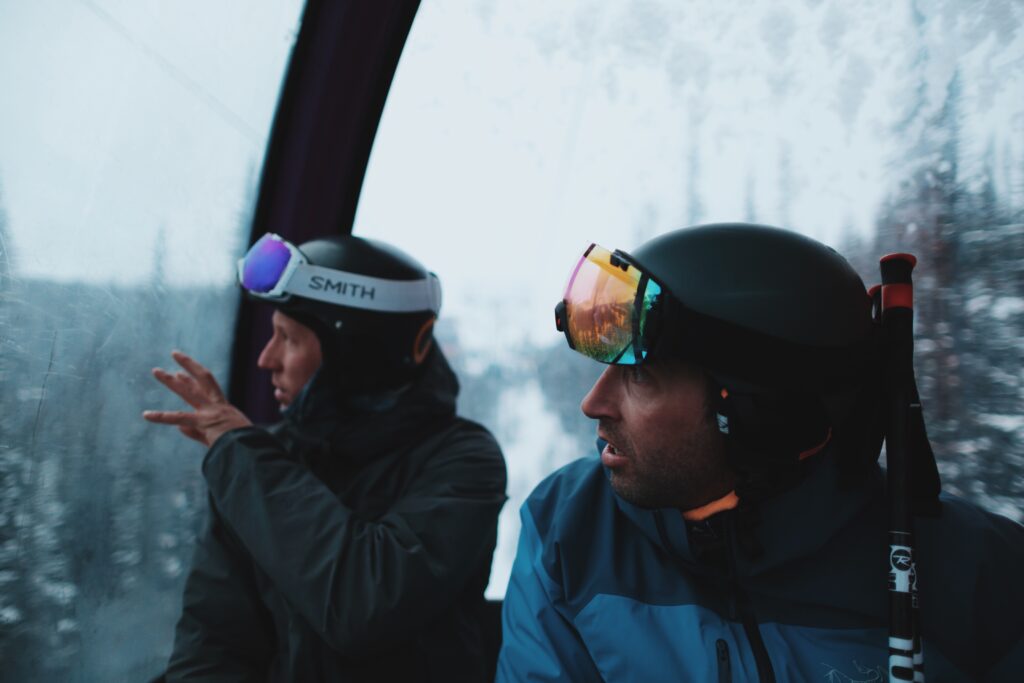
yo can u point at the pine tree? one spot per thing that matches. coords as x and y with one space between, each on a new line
968 288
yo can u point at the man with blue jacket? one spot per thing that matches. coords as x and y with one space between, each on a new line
735 524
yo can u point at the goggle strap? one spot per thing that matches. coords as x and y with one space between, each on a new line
638 303
364 292
617 358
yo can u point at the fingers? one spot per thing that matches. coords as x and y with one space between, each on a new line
205 426
204 377
184 421
171 417
183 385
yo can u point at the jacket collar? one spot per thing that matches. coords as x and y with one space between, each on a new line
791 525
323 419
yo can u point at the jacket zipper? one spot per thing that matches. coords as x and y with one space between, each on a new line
724 666
765 673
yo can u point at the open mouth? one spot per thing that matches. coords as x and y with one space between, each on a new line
609 446
612 456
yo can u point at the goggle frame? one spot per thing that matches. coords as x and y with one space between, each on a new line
646 292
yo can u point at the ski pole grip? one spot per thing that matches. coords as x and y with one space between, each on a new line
897 286
898 323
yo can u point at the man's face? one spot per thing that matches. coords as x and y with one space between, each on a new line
292 355
664 449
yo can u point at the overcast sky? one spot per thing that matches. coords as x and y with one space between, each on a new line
522 131
122 117
515 132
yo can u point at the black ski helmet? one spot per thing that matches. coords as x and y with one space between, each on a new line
783 326
368 350
760 305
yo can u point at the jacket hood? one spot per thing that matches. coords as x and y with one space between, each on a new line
792 525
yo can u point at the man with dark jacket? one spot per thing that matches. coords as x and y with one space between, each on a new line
735 524
352 540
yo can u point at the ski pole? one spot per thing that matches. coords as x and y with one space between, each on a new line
906 658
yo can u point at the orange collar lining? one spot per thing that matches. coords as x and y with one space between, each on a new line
726 502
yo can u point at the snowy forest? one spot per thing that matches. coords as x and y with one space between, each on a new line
99 510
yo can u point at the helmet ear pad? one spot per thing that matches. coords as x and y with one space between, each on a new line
768 434
367 351
373 351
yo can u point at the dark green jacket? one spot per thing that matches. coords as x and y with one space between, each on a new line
345 544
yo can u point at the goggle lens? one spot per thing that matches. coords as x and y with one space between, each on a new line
265 263
605 309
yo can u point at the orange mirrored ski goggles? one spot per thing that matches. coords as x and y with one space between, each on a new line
606 307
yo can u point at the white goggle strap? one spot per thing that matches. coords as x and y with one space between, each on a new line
361 291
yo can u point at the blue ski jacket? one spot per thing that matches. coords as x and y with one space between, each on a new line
602 590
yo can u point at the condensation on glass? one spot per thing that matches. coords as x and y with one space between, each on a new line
131 137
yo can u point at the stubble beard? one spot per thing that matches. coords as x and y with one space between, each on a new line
685 473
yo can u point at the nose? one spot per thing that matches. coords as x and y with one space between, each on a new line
601 401
269 358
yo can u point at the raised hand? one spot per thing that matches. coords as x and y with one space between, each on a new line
212 415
